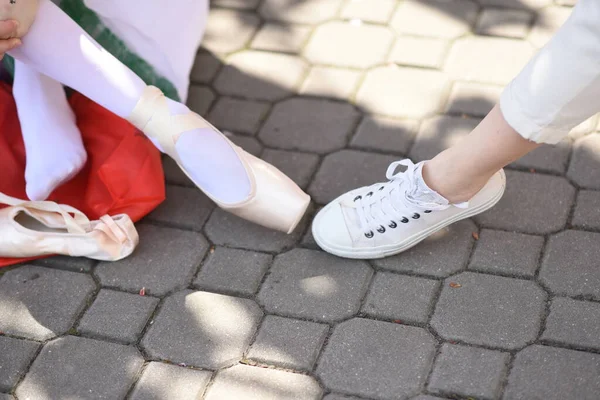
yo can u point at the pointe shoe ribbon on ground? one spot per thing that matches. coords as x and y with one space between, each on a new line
35 228
275 201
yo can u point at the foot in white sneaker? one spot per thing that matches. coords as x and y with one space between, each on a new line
388 218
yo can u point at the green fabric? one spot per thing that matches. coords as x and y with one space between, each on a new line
90 22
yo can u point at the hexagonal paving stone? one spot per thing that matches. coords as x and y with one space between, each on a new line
348 45
587 210
41 303
420 52
304 12
584 169
376 11
299 167
532 203
164 260
439 133
385 134
255 383
225 229
202 329
200 98
472 98
240 4
283 38
311 284
569 266
15 356
333 177
574 323
205 68
249 144
241 116
336 83
403 92
78 368
6 396
526 4
228 31
376 359
548 373
335 396
314 125
547 23
259 75
170 382
476 59
469 372
507 23
288 343
437 18
507 253
186 208
400 297
75 264
443 253
551 158
489 310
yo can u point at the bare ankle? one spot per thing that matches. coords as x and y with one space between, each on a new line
452 185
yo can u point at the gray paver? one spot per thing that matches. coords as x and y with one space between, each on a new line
186 208
205 68
376 11
426 397
202 329
349 45
254 383
451 19
15 356
164 260
469 372
334 396
569 266
260 75
249 144
299 167
532 203
439 133
161 381
489 310
472 98
541 372
442 254
420 52
233 270
336 83
41 303
77 368
4 396
75 264
319 126
526 4
574 323
305 12
238 4
117 315
399 297
200 98
376 359
229 30
507 23
333 179
311 284
507 253
551 158
173 174
389 135
288 343
584 169
284 38
587 210
403 92
238 115
225 229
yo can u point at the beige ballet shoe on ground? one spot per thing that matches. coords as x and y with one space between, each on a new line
37 228
275 201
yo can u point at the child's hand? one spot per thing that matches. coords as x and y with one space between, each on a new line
8 31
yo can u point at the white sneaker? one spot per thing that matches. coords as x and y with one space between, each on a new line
388 218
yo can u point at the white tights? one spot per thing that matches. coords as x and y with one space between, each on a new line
58 48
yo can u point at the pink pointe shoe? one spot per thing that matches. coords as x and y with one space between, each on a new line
275 201
37 228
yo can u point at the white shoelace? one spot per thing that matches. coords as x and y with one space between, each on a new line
385 205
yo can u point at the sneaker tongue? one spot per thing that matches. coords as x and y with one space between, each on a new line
424 192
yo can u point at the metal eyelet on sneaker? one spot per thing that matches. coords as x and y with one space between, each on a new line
381 229
392 225
416 216
357 198
381 188
427 211
404 220
369 234
369 194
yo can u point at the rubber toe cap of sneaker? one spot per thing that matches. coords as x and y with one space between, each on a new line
329 228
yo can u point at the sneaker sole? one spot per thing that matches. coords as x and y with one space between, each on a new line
390 250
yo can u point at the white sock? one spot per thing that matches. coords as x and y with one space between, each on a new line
56 46
53 146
